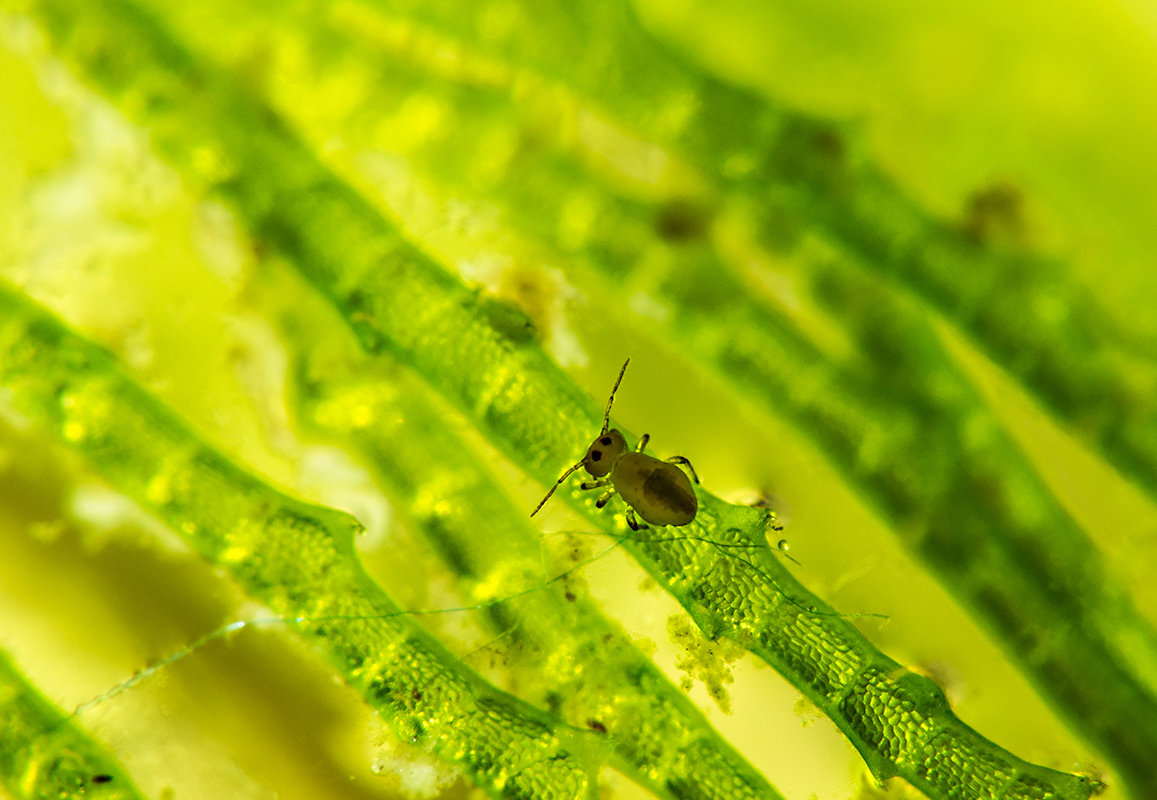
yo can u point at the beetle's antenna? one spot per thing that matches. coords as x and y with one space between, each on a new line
606 425
556 485
611 399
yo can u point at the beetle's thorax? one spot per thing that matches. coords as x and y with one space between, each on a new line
604 452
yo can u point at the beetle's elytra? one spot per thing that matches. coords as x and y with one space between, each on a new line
656 490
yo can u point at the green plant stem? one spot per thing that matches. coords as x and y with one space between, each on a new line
574 660
981 517
806 173
43 754
296 558
395 299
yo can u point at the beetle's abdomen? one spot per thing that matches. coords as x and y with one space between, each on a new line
659 492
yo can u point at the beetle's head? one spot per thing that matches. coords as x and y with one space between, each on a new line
604 452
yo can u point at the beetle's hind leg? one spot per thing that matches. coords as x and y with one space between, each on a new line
684 462
632 520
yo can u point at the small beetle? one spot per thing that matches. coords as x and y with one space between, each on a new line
656 490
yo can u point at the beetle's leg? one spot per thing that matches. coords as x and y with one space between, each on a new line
642 443
600 483
632 521
606 498
685 463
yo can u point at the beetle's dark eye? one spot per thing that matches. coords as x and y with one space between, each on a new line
605 440
596 455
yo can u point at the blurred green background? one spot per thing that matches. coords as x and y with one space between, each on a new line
1050 103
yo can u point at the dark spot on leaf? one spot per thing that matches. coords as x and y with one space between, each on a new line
995 214
682 220
813 151
509 321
